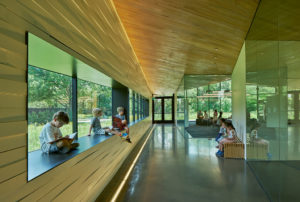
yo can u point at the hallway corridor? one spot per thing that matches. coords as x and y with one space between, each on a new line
174 168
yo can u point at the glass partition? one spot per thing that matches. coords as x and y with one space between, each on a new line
272 97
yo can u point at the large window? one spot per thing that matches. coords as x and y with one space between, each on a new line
59 82
208 98
138 107
131 107
90 96
48 92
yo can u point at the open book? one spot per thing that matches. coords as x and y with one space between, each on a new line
71 137
117 123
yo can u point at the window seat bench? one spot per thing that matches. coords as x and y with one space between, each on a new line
39 162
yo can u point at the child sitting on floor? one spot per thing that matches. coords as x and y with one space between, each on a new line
230 139
51 137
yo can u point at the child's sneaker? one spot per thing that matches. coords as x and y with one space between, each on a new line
220 153
128 140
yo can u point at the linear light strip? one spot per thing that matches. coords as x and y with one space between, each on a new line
126 35
114 198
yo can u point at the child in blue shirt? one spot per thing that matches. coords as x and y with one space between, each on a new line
95 123
222 131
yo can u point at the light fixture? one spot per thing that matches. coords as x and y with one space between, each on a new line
115 196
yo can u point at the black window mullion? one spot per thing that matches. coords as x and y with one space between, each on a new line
133 105
74 105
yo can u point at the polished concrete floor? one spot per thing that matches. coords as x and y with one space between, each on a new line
175 168
280 179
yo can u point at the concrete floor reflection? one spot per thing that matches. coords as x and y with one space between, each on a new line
174 167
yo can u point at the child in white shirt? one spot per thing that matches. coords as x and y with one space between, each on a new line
229 139
50 137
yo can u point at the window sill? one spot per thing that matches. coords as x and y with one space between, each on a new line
39 162
137 121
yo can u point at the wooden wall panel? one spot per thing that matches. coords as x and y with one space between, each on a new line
98 39
91 28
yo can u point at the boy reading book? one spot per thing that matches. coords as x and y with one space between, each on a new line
120 124
51 138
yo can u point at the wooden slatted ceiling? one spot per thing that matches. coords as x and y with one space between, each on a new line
172 37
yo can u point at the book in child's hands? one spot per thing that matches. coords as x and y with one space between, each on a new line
117 123
71 137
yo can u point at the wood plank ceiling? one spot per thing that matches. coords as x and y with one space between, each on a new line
176 37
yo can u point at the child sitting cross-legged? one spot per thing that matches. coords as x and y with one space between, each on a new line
51 138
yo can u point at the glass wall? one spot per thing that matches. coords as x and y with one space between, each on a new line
48 92
273 87
208 98
273 80
90 96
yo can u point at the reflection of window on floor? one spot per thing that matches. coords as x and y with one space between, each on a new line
48 92
90 96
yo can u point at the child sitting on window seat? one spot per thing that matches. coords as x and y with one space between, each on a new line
120 124
51 138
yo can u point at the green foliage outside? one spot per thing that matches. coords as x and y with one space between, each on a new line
209 104
49 92
35 130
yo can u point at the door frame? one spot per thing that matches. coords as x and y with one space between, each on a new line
163 110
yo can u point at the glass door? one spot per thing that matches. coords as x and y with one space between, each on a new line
157 110
168 109
163 109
